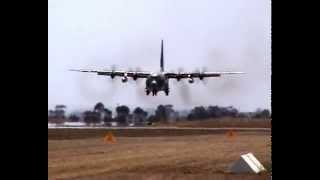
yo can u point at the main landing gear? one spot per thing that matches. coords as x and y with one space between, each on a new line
147 92
154 93
167 92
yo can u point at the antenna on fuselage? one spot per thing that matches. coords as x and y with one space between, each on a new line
161 58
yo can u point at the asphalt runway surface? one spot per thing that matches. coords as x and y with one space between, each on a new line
92 132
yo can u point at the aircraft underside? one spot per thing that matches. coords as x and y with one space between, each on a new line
154 91
157 83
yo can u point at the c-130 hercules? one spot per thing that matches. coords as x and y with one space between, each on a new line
156 82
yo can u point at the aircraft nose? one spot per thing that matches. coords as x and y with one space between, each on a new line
153 82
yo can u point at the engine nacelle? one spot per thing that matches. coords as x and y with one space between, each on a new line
124 79
190 80
112 75
135 77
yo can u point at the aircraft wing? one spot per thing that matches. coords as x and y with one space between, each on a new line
114 73
199 74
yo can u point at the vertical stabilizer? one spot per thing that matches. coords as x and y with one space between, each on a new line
161 58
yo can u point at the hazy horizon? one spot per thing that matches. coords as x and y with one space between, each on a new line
219 35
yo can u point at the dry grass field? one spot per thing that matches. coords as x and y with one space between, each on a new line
152 156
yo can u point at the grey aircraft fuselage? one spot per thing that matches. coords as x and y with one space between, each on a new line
157 82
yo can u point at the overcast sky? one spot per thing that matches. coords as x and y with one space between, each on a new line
221 35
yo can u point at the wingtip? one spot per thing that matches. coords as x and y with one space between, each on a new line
77 70
239 72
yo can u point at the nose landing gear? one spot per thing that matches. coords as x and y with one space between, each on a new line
154 93
167 92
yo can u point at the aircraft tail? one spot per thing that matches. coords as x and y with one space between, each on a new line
161 58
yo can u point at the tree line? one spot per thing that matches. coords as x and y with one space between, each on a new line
163 113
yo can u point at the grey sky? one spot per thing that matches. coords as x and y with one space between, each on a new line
223 35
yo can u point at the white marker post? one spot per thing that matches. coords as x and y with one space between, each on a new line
247 164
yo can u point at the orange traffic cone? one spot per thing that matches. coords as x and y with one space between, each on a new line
109 138
231 134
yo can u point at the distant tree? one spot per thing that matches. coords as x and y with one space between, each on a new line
122 110
262 113
214 112
122 114
73 118
60 111
201 112
51 114
152 119
91 117
139 115
60 106
198 112
265 113
224 111
138 110
171 114
160 113
232 112
108 115
243 115
258 111
99 107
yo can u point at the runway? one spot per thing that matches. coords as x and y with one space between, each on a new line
160 128
89 132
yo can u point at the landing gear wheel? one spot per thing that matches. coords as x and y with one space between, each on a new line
167 92
154 93
147 92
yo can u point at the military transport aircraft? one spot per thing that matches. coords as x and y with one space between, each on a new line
156 82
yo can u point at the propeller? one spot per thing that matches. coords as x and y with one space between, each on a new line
113 68
180 70
95 87
139 80
182 86
184 91
176 81
201 78
204 80
111 79
137 69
